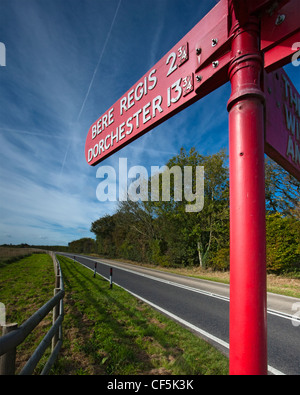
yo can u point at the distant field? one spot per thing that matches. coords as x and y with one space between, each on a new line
10 254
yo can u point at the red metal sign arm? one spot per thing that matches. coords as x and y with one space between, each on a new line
280 29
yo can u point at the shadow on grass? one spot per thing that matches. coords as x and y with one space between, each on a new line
102 320
116 333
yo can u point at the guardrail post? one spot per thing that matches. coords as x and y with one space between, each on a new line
8 360
57 281
56 309
110 279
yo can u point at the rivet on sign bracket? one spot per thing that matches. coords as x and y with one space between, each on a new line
214 42
280 19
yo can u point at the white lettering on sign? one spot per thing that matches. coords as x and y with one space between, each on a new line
172 60
177 88
103 123
141 117
292 118
150 99
176 60
166 89
137 93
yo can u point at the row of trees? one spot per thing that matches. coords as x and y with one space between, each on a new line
163 233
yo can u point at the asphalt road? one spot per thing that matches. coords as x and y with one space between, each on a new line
203 306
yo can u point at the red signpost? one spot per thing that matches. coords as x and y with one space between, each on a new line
236 41
248 321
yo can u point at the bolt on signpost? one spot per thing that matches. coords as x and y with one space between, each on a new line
243 42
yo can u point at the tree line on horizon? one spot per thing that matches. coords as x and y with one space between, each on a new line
163 233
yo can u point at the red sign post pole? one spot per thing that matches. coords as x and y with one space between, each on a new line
248 329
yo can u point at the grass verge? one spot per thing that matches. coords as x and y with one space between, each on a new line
108 331
25 286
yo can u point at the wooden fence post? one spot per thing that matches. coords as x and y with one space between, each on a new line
8 360
56 312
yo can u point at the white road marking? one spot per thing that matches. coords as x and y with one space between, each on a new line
213 295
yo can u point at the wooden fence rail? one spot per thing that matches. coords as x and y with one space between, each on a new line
13 336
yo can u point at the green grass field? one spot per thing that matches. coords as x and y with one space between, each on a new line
25 286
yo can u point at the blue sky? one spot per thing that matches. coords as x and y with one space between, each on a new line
67 62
